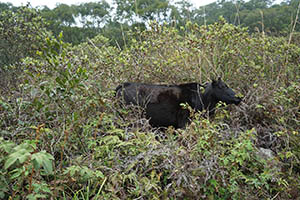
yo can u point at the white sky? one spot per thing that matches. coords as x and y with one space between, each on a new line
51 3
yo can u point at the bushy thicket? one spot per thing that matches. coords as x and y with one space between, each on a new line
62 134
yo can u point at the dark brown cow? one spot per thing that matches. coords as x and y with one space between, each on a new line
162 102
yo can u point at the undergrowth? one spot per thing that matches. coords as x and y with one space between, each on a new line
65 136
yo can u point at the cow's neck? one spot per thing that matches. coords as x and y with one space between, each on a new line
209 102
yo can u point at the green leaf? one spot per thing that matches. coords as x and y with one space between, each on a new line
36 196
72 170
99 174
43 159
9 162
17 173
6 146
22 155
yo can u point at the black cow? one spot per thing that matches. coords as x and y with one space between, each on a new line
162 102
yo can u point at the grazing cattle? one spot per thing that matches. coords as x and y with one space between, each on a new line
162 102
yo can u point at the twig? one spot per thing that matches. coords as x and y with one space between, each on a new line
237 16
294 26
204 16
275 196
262 23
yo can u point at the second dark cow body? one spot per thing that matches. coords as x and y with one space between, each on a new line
162 102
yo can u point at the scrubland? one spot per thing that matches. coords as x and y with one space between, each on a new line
63 137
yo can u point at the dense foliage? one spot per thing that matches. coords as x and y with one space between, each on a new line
63 135
86 20
22 33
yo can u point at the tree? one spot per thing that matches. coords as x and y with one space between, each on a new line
22 33
64 18
258 4
94 14
182 12
65 14
6 6
275 19
130 10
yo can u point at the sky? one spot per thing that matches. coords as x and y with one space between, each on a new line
51 3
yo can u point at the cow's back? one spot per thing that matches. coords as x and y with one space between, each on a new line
143 94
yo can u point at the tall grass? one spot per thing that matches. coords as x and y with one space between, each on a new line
68 92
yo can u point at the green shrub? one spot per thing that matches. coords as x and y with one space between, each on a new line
24 170
64 112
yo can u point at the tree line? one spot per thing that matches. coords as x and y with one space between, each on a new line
86 20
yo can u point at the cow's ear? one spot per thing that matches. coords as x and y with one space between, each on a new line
214 83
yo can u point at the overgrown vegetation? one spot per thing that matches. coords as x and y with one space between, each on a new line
114 19
62 135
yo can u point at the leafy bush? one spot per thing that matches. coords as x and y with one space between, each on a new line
25 166
65 113
22 33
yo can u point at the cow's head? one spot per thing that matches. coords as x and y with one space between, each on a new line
221 92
